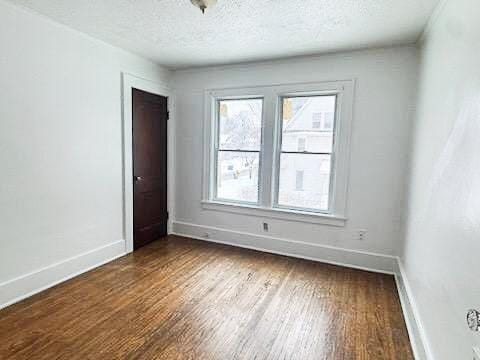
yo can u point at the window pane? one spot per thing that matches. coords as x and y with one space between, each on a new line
310 118
240 124
304 181
237 176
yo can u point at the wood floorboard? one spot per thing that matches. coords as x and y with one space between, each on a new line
180 298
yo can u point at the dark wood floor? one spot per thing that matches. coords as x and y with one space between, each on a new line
185 299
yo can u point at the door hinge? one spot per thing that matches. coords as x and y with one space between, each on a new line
168 115
168 215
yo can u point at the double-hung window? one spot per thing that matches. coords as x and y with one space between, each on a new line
237 149
279 151
313 163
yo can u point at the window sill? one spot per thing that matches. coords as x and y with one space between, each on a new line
281 214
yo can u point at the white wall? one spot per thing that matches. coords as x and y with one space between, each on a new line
60 141
441 255
385 90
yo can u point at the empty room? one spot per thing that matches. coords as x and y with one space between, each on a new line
240 179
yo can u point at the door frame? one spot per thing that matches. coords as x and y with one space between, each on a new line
129 82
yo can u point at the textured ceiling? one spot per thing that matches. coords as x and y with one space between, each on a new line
176 34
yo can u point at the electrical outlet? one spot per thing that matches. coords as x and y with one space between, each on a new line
265 226
476 353
360 234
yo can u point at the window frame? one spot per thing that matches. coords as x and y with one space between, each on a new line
269 164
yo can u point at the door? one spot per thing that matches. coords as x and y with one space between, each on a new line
150 214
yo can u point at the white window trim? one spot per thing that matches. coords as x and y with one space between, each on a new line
274 213
269 160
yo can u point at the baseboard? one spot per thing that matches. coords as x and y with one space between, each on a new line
416 332
27 285
328 254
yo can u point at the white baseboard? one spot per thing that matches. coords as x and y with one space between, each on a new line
328 254
27 285
416 332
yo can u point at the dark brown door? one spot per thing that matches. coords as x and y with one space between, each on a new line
150 215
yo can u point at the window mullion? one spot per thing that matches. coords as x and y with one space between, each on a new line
266 160
277 146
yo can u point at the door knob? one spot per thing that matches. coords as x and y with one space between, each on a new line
137 178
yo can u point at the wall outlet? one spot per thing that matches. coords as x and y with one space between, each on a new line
476 353
265 226
360 234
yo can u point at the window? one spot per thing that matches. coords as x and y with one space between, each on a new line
317 160
237 151
328 121
280 151
299 181
316 120
302 144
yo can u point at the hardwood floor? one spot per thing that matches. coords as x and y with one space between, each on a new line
179 298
